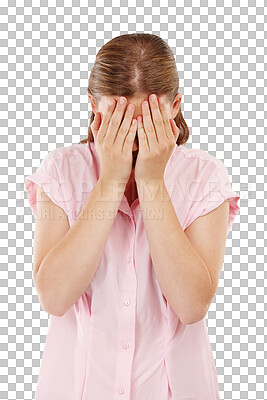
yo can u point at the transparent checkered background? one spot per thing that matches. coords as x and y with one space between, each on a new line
47 51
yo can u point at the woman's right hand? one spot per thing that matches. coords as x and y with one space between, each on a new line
114 141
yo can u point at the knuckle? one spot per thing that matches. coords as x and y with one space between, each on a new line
114 123
104 146
142 133
123 130
158 121
105 119
129 139
150 129
101 135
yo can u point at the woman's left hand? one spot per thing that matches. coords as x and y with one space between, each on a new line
156 141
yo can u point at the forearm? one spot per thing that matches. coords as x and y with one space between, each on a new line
70 266
181 273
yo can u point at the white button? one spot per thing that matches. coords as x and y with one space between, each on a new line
129 260
127 302
126 345
121 390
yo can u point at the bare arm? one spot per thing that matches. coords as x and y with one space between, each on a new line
65 266
187 263
69 266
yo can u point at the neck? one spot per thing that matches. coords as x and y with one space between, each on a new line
131 189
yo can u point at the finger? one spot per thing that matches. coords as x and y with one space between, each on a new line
142 137
161 132
165 117
115 121
129 139
148 126
106 119
125 126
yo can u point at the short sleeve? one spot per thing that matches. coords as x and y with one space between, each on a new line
213 189
47 176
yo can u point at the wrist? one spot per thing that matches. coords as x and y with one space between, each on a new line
150 188
154 183
115 188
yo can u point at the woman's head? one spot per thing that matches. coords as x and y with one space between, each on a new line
134 66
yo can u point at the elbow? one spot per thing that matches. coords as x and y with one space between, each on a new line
190 319
197 313
48 303
194 320
50 306
52 310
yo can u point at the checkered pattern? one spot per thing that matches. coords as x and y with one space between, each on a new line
47 51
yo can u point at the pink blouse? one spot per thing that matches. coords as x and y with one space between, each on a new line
121 340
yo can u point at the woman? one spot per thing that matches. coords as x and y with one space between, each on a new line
129 240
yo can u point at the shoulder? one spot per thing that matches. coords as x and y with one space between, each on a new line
195 156
74 150
194 163
64 158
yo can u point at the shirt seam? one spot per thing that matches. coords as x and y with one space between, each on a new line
215 161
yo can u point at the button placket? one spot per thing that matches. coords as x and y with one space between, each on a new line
126 342
126 326
125 355
121 390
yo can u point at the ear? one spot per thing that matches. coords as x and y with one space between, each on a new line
93 104
176 131
176 104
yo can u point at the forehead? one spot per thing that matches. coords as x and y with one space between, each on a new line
138 99
134 99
